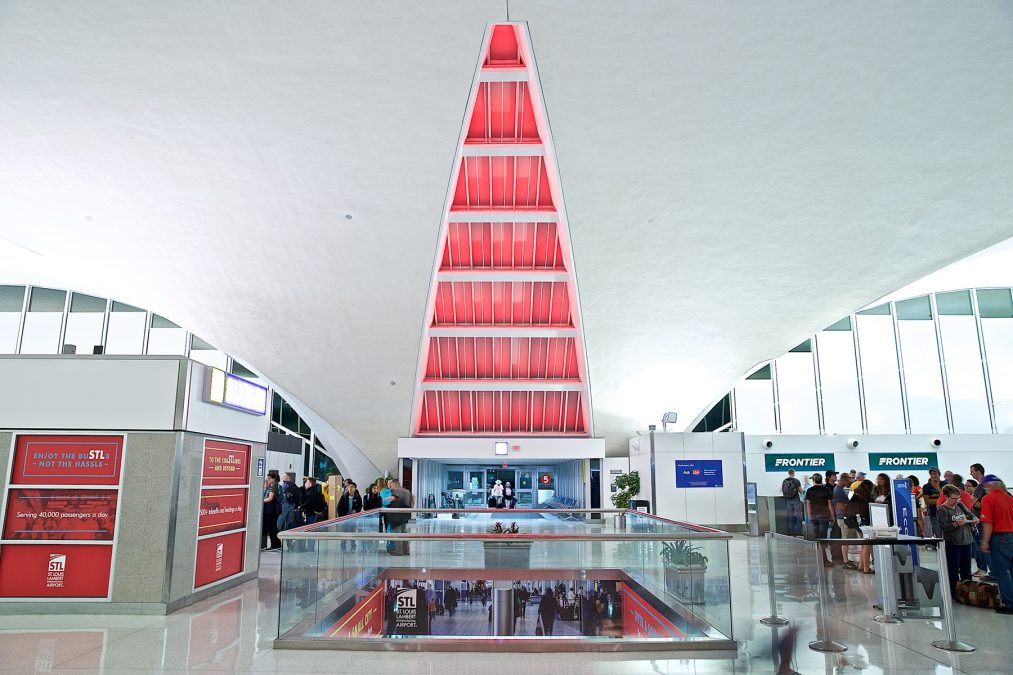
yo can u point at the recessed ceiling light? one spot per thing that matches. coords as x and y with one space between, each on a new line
392 383
348 216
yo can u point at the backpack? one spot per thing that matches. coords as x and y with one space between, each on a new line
788 489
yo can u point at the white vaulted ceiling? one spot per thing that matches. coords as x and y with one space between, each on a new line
272 175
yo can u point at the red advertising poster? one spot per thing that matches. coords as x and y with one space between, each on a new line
55 514
219 558
221 510
226 463
67 460
55 570
640 620
362 621
214 637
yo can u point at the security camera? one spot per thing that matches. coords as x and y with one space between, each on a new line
936 442
852 442
768 443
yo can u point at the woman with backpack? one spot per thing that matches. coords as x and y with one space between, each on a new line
856 516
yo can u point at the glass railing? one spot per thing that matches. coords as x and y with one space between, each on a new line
640 582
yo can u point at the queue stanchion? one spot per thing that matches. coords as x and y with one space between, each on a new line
772 620
951 643
885 577
824 643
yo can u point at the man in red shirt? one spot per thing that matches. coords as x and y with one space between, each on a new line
997 537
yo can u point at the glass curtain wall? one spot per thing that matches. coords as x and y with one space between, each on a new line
932 364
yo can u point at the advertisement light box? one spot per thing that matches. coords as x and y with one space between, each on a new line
232 391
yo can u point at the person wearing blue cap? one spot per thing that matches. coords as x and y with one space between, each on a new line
997 537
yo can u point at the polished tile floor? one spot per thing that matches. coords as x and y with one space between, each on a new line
233 633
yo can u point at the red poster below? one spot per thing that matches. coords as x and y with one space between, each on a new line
60 514
221 510
226 463
640 620
363 620
218 558
55 570
67 460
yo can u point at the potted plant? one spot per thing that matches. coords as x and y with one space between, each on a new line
685 566
506 553
627 487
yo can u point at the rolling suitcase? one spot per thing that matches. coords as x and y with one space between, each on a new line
978 594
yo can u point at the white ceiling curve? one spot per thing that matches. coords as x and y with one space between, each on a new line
722 164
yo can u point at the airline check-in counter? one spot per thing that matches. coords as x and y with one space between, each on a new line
131 484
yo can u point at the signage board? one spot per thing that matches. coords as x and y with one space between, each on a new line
362 621
219 558
232 391
260 467
225 463
779 462
411 615
221 510
58 570
60 514
545 480
67 460
698 473
902 461
640 620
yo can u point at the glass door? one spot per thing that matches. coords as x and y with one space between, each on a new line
525 490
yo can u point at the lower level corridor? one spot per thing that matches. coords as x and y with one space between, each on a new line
233 632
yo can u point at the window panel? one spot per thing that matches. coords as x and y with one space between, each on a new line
42 332
922 377
47 300
126 332
884 410
957 303
796 393
998 336
915 309
87 303
754 406
12 299
964 375
10 322
84 331
995 303
165 338
839 381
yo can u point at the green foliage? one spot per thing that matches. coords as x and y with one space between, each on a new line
498 528
682 554
627 487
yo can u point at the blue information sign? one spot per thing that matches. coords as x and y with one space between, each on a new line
698 473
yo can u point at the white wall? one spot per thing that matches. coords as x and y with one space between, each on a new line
547 449
79 392
283 461
705 506
956 453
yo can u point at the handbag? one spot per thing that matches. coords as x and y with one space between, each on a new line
539 631
852 522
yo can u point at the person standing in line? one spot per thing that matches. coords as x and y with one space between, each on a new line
291 502
350 504
400 499
819 509
858 515
450 600
314 508
997 537
841 500
547 612
836 550
881 494
965 497
856 480
791 490
980 557
272 509
955 521
931 492
917 503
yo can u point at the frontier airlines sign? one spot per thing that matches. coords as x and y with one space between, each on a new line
884 461
779 463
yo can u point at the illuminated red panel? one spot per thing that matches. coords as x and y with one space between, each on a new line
522 412
503 114
503 48
502 303
502 183
459 358
502 246
460 390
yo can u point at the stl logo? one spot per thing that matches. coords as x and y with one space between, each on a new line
57 562
219 550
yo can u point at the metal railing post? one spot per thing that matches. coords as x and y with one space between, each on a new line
824 644
884 575
773 619
950 644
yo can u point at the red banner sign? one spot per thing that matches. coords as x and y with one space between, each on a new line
221 510
56 514
67 460
226 463
640 620
55 570
219 558
362 621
